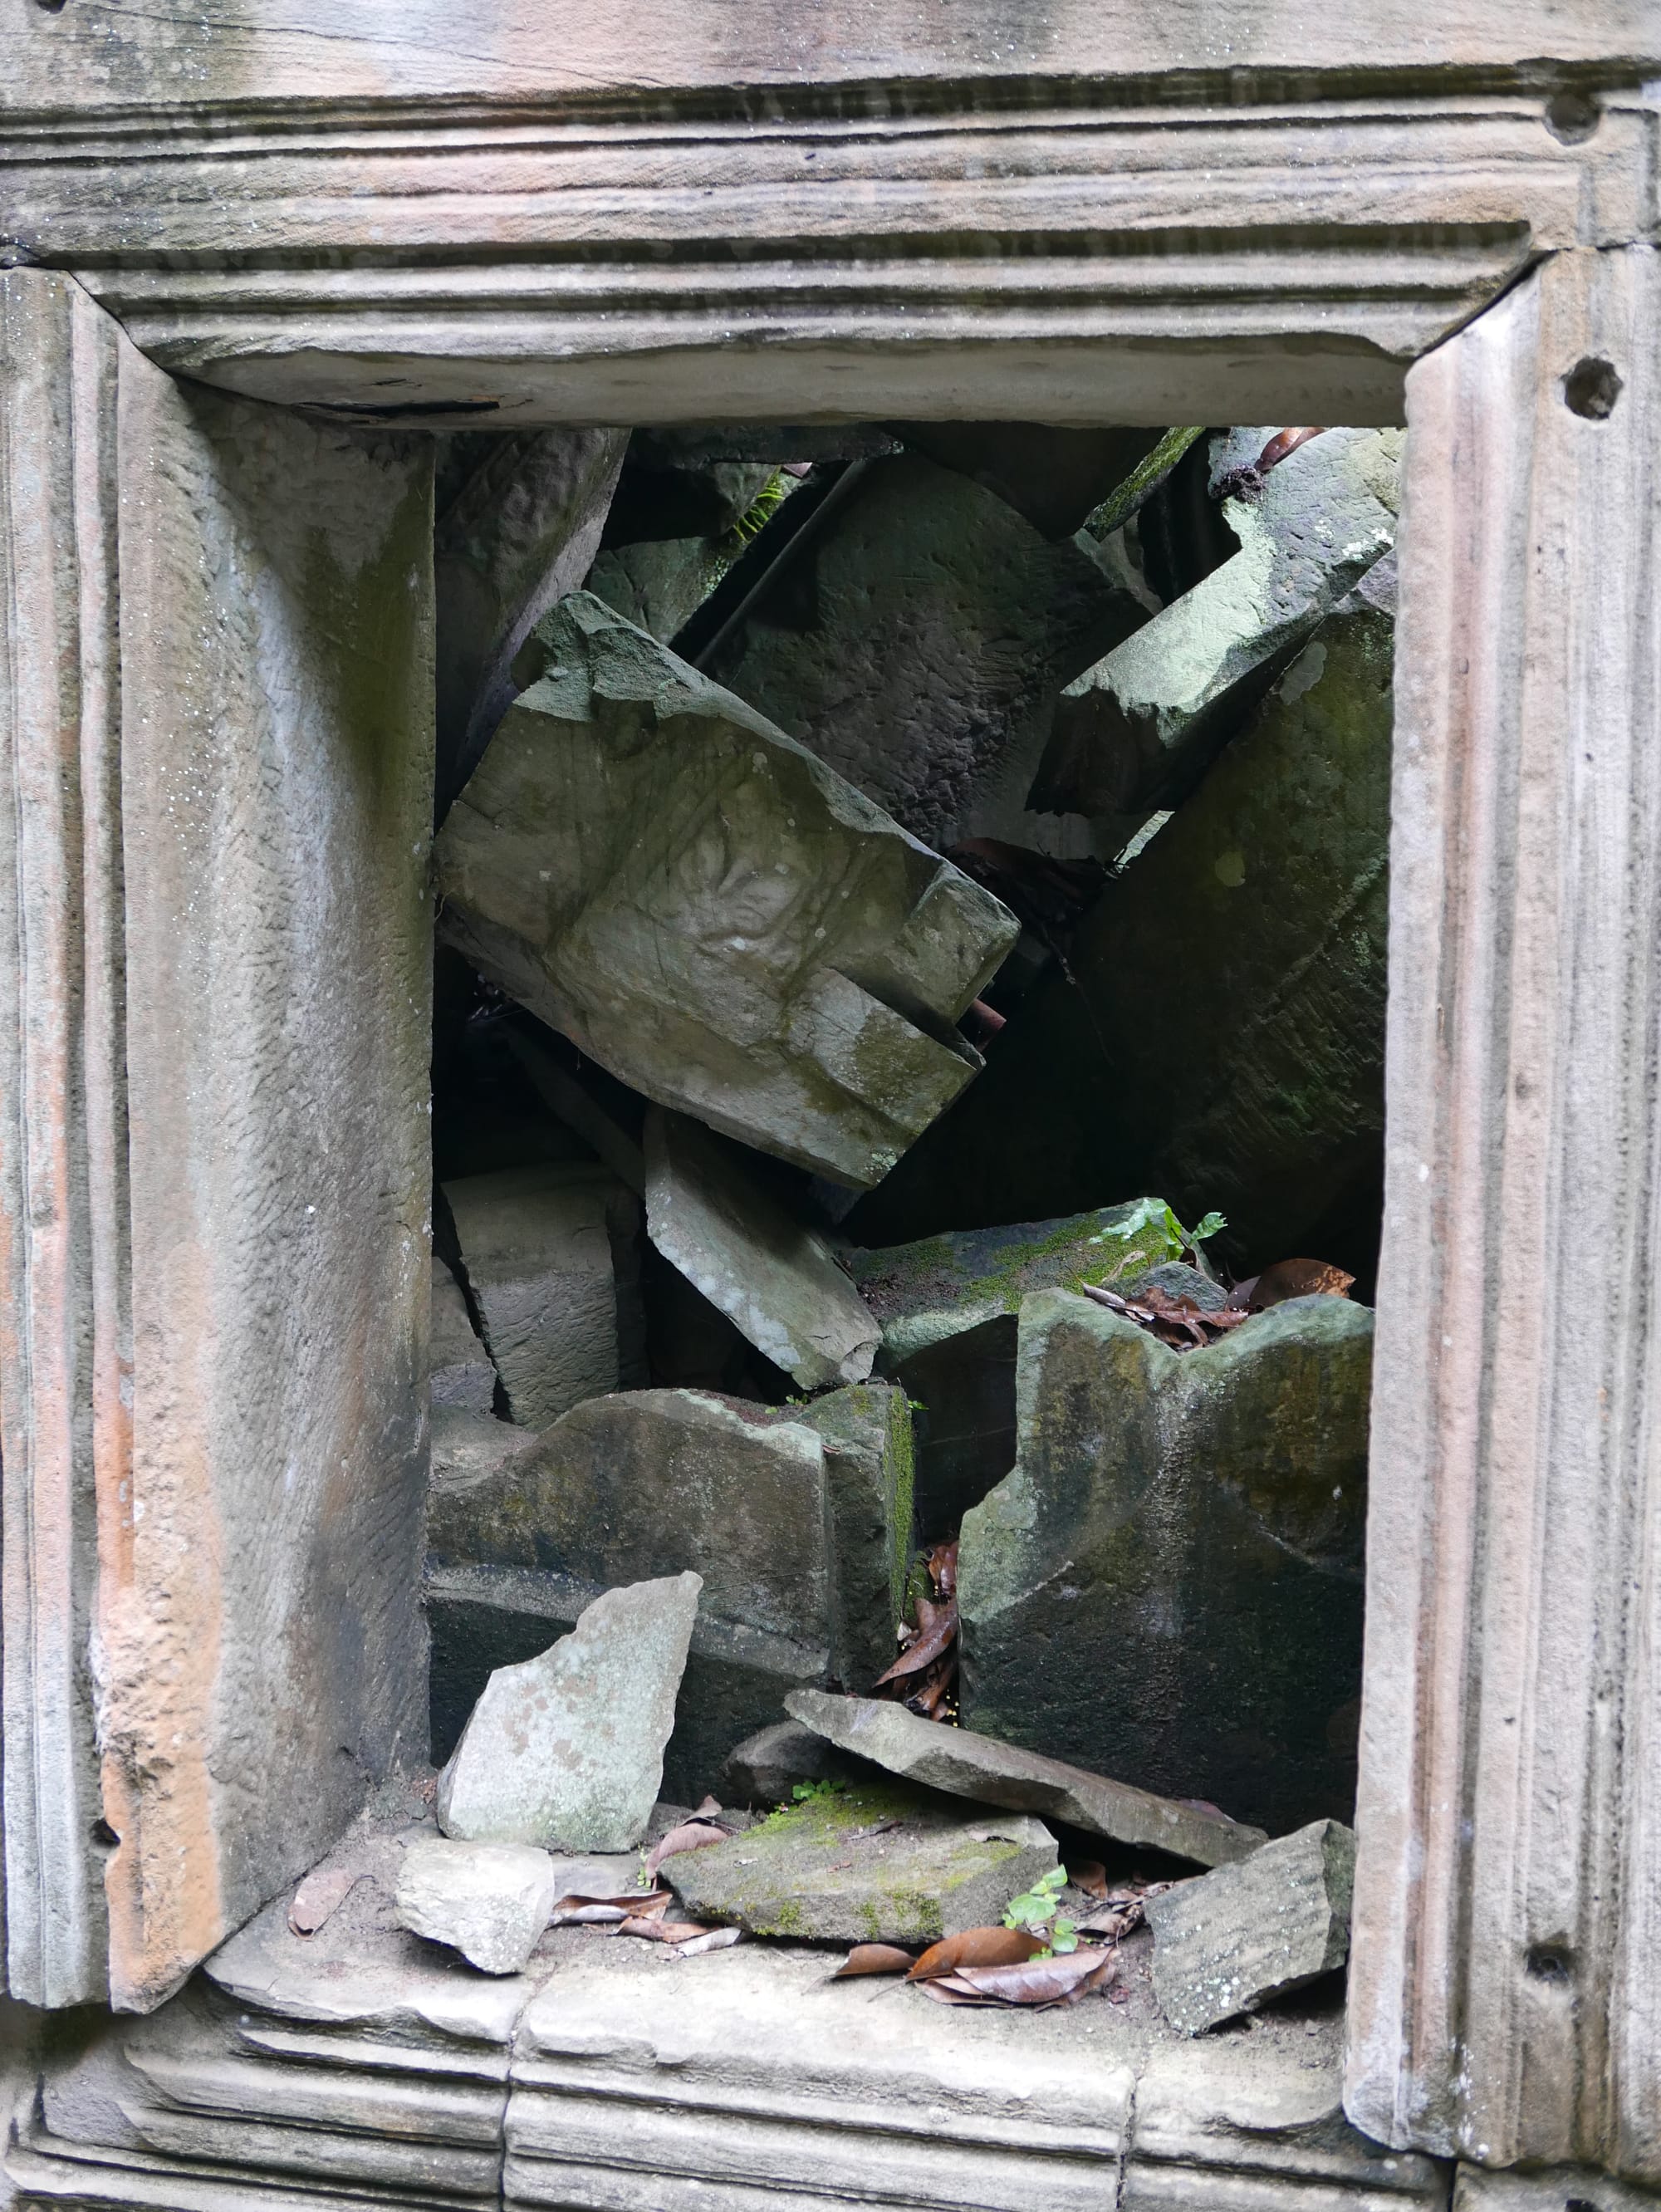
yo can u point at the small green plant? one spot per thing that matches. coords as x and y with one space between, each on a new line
1203 1232
760 512
1038 1911
805 1793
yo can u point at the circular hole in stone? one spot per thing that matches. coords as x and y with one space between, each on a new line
1592 388
1579 2204
1549 1962
50 7
1571 116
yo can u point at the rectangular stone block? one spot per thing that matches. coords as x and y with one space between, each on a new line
461 1371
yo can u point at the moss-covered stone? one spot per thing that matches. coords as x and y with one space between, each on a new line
1167 1586
873 1861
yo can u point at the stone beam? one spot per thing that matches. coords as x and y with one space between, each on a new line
1504 2001
216 748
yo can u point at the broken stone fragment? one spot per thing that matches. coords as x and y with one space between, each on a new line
1174 1279
1233 1939
1260 910
967 1764
798 1519
766 1767
921 640
567 1749
655 870
870 1863
775 1279
516 533
461 1374
1167 1586
468 1448
489 1901
1136 732
551 1257
1056 477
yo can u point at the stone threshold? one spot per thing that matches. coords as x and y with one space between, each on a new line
363 2066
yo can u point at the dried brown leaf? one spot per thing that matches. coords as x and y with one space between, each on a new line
874 1958
976 1947
717 1940
932 1640
945 1991
1040 1982
1090 1875
690 1836
663 1931
579 1912
943 1566
1291 1279
320 1896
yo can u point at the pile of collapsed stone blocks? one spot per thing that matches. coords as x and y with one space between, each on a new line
890 881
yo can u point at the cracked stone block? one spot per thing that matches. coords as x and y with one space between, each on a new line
1056 477
872 1862
461 1373
735 1242
1221 1037
1167 1586
655 870
1136 732
567 1748
489 1901
918 641
552 1258
1236 1938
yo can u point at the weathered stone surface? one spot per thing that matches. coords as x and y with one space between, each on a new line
736 1244
736 1677
468 1448
926 1291
516 533
766 1767
552 1261
962 1394
797 1519
1237 1937
966 1764
941 624
1260 911
1136 732
568 1748
658 872
1053 477
870 1863
489 1901
1175 1280
461 1375
1167 1586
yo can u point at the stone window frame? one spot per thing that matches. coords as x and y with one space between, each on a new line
1457 224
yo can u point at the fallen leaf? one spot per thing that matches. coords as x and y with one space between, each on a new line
943 1566
1037 1981
932 1639
975 1947
663 1931
717 1940
320 1896
578 1911
1291 1279
709 1810
874 1958
690 1836
1282 443
1090 1875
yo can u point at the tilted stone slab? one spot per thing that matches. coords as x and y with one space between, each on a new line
1236 1938
1137 731
915 644
873 1863
551 1258
568 1748
735 1242
461 1374
1168 1584
966 1764
654 869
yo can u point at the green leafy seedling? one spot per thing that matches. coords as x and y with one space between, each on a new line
1037 1911
805 1792
1203 1232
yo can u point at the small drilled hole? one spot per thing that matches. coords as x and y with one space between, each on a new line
1571 116
50 7
104 1836
1546 1963
1592 388
1579 2204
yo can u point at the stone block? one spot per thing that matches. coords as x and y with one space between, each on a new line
872 1862
766 1767
964 1765
917 646
552 1262
1260 911
489 1901
461 1374
962 1394
567 1749
1136 732
1246 1934
1056 477
735 1242
1167 1586
698 903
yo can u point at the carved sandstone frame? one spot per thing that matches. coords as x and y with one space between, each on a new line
215 625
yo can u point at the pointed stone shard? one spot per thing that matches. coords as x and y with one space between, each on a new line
552 1259
966 1764
730 1238
651 868
568 1748
1233 1939
461 1375
1167 1586
489 1901
1136 732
